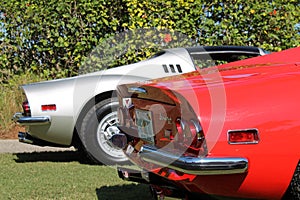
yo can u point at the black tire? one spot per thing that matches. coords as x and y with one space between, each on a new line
293 191
98 125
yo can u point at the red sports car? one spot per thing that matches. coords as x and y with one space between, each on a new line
226 131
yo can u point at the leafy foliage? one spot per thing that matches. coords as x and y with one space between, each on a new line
268 24
53 38
132 46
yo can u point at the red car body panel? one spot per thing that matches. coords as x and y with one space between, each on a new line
253 94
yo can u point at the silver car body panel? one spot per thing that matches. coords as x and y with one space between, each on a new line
70 95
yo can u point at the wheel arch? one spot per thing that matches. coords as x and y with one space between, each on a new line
96 99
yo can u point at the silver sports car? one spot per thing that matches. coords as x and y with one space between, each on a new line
81 111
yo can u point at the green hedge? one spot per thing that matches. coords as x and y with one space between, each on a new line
52 38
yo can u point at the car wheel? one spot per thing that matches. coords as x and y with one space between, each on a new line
294 188
98 126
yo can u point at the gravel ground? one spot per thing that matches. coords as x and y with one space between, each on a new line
14 146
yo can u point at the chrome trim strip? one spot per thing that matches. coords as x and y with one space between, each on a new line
194 165
225 51
23 120
34 120
138 90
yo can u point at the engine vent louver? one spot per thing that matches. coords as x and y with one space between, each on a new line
179 68
172 69
165 68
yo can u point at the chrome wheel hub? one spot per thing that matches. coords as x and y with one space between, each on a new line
106 129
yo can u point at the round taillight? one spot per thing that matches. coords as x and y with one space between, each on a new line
183 131
196 130
190 135
197 144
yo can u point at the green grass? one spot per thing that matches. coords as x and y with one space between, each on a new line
61 175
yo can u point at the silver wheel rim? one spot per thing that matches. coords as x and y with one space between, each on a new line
106 129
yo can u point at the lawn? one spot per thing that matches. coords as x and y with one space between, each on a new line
61 175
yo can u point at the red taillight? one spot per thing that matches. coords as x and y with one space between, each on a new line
49 107
243 136
26 108
198 143
190 134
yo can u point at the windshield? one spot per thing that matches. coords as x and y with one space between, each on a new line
209 56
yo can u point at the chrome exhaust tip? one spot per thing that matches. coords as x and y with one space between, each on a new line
25 138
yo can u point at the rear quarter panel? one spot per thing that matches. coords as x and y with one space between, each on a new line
268 101
71 95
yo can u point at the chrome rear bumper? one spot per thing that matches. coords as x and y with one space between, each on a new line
25 120
194 165
26 137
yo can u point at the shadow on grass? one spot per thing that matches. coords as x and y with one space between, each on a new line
124 192
59 156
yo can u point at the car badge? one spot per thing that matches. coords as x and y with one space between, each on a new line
127 103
